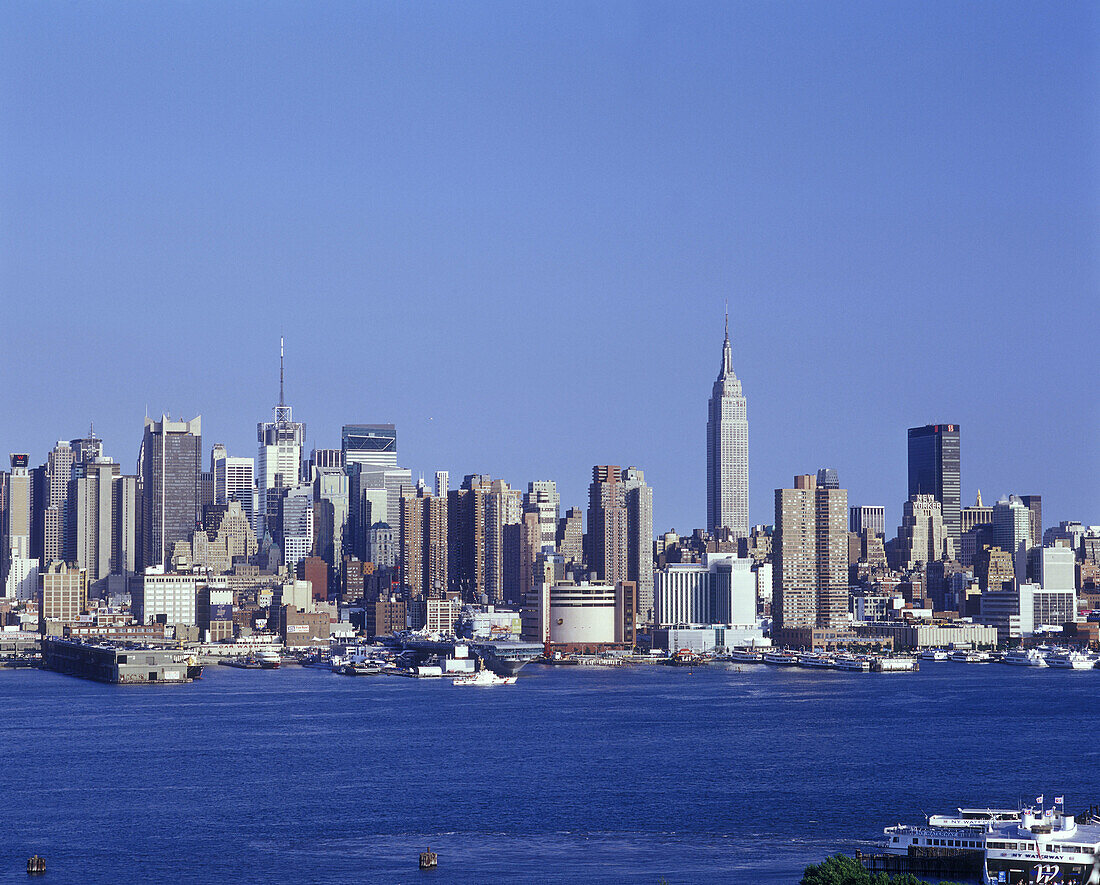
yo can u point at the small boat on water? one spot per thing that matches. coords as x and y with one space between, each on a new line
268 660
1070 660
852 664
362 668
815 661
899 664
484 677
248 662
970 657
1025 657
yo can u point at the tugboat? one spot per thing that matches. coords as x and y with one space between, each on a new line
194 668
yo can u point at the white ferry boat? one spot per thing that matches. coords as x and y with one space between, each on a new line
970 657
745 656
815 661
900 664
852 663
781 658
1025 657
1070 660
1028 847
269 660
934 654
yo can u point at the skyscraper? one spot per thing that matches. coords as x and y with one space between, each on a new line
1034 504
466 514
871 518
728 450
370 450
89 448
810 569
56 544
607 533
639 539
280 456
922 536
330 516
424 543
233 481
503 508
934 457
371 444
295 520
19 567
542 499
104 504
569 539
170 466
1012 531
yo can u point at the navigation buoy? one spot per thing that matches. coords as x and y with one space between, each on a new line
428 860
36 866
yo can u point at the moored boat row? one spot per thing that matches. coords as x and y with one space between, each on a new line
1041 656
825 661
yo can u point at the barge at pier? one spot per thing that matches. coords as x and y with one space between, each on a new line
119 664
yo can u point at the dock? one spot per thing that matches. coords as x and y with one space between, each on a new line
118 664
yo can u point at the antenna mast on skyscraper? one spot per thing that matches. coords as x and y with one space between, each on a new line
282 410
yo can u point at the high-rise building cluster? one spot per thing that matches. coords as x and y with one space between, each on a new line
220 545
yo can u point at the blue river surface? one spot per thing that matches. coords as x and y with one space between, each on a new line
574 774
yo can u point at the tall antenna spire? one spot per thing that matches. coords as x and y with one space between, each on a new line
727 354
281 400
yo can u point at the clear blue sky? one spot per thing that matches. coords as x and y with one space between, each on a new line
510 228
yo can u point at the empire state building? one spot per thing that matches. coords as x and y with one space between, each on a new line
727 450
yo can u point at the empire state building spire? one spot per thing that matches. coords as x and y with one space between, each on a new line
727 351
727 449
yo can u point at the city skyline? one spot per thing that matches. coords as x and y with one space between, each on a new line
436 242
893 507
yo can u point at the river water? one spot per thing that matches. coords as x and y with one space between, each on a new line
574 774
